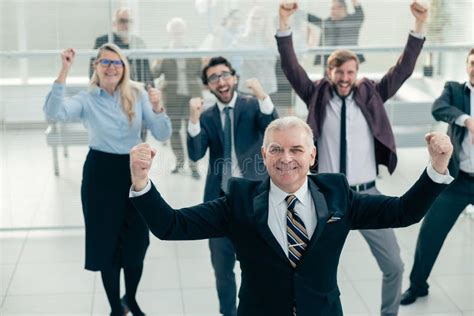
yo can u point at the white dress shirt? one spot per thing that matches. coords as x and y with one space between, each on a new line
277 205
466 155
266 107
361 165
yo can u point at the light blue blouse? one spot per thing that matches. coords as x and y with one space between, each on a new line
103 117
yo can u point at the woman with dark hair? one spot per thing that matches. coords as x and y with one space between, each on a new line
112 110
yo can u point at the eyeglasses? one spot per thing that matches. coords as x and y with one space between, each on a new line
215 78
107 62
124 21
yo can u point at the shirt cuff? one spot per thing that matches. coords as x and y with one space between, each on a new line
283 33
133 193
266 105
417 35
438 177
461 119
194 129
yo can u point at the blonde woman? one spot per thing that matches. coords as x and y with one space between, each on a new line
112 110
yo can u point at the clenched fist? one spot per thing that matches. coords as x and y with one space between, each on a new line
196 106
155 99
67 58
286 9
141 157
257 90
440 149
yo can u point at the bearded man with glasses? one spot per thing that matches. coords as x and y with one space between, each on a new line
233 131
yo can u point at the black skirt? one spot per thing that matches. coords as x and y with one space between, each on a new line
115 231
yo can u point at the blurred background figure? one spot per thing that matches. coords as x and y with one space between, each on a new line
340 28
224 35
258 34
139 67
179 81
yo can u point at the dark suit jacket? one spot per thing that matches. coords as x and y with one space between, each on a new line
270 286
249 125
139 68
169 68
368 95
453 102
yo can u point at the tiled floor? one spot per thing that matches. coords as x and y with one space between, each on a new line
42 269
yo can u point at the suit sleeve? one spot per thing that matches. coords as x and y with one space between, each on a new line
316 20
206 220
197 145
443 108
294 72
379 211
403 69
263 120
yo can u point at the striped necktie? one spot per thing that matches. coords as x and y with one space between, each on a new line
296 232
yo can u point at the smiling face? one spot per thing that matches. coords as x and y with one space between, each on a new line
224 87
288 155
109 75
343 77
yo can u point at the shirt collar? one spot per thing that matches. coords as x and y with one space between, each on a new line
101 92
279 195
336 96
469 86
231 104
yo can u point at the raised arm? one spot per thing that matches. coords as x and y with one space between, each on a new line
197 139
154 114
403 69
372 212
295 74
207 220
267 112
56 107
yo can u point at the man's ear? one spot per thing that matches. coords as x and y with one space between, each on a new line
264 154
313 155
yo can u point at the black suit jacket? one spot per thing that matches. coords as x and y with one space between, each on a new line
368 95
270 286
453 102
249 126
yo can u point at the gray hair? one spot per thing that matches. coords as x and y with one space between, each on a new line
286 123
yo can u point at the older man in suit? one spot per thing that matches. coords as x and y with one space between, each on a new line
352 131
456 107
232 130
288 231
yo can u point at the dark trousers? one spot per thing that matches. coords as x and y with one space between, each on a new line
437 223
223 262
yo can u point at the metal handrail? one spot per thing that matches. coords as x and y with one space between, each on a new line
189 53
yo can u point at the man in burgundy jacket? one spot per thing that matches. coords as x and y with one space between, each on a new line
349 122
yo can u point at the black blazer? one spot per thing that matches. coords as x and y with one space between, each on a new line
270 286
453 102
249 126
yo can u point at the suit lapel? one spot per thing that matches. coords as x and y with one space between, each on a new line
216 119
322 213
260 206
237 110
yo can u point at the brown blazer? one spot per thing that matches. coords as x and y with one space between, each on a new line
368 95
